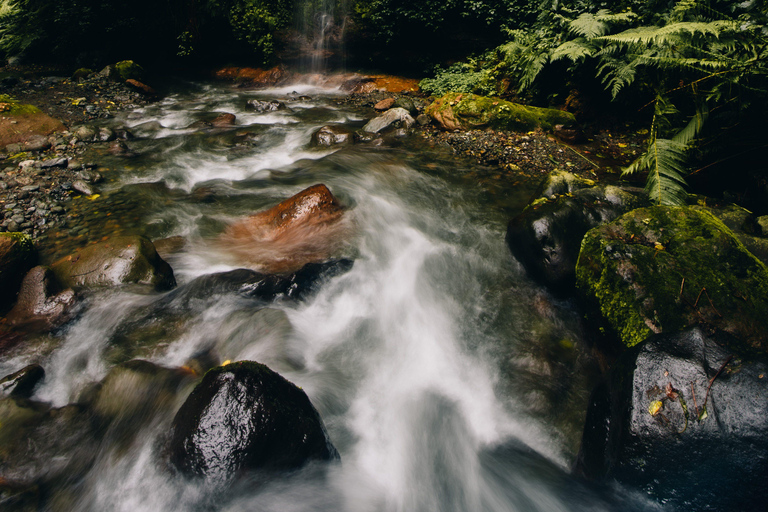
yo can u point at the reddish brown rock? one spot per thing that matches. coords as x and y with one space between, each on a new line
141 87
256 77
224 120
385 104
308 227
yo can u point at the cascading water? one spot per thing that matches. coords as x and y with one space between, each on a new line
321 27
446 379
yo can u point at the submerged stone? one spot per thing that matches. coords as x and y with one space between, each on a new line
245 417
663 269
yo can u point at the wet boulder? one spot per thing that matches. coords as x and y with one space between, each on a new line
224 120
461 111
245 417
684 422
129 70
117 261
546 236
392 118
17 256
168 316
664 269
264 105
42 303
308 227
22 383
331 135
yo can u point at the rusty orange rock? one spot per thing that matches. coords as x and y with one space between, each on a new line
308 227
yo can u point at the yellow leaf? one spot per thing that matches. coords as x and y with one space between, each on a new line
94 197
622 145
655 407
658 246
225 363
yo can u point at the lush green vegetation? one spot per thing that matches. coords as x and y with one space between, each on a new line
701 68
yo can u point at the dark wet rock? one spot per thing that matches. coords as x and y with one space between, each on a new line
15 497
120 148
42 303
167 316
718 462
569 134
118 261
264 105
307 227
546 237
245 417
21 384
423 119
45 446
406 103
392 118
663 269
36 143
17 256
105 134
129 70
331 135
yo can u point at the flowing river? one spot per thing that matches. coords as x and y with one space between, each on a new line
447 380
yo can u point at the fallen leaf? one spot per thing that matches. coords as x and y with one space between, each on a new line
655 407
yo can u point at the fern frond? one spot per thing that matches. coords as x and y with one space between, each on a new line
617 74
573 50
670 34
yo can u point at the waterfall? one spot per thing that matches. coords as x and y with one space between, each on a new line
320 34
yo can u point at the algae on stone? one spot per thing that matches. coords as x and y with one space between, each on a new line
456 111
662 269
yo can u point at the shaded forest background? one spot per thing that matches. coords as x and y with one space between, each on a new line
693 71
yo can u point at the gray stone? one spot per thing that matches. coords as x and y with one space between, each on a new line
55 162
82 187
394 116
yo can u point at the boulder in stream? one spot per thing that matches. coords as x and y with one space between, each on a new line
117 261
245 417
546 236
42 304
308 227
22 383
265 105
392 118
683 421
331 135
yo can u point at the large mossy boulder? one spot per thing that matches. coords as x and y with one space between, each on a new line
17 257
117 261
663 269
656 424
245 417
546 236
461 111
129 70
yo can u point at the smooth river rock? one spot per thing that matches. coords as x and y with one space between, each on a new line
308 227
245 417
117 261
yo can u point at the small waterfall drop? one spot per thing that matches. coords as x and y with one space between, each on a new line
320 36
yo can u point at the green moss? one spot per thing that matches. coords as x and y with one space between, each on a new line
472 111
127 69
25 244
14 108
662 269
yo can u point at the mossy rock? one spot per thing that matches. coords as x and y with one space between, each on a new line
129 70
118 261
10 107
17 256
663 269
82 73
456 111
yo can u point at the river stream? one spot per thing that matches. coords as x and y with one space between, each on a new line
447 379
